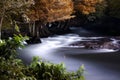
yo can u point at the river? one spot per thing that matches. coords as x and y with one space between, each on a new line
100 64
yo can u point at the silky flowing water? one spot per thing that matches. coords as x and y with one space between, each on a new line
99 65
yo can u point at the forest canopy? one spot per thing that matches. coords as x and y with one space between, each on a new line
50 10
88 6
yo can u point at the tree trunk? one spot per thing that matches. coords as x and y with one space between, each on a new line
30 28
59 24
67 24
1 20
34 29
62 26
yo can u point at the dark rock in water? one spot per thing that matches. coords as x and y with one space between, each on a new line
110 45
33 40
102 43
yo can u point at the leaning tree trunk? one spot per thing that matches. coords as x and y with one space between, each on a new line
63 25
66 26
43 30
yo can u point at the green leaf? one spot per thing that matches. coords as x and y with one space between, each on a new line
17 27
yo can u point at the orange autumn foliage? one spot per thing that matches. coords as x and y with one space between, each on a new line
50 10
86 6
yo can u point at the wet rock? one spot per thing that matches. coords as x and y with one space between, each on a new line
33 40
110 45
102 43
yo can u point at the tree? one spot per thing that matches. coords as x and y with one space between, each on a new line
50 10
90 8
10 7
87 6
47 11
